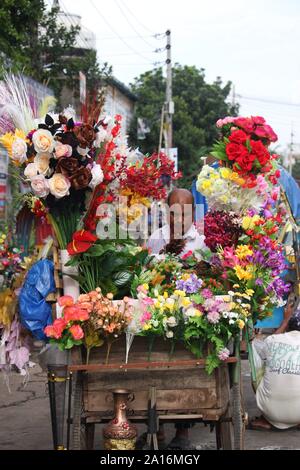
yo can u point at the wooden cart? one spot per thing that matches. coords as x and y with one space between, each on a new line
184 391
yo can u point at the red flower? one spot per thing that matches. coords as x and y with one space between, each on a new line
245 162
235 151
82 241
260 151
245 123
238 137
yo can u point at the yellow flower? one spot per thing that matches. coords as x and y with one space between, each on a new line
248 223
242 251
206 185
243 274
157 304
225 173
198 313
147 326
180 293
249 292
165 295
16 145
236 286
241 324
169 307
235 177
145 286
185 276
186 302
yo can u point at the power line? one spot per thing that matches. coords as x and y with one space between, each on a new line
156 36
130 23
265 100
117 34
137 19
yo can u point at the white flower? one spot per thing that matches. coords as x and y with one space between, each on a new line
18 150
225 314
42 161
101 136
43 141
231 322
169 334
40 185
155 323
59 185
171 322
97 176
31 170
83 151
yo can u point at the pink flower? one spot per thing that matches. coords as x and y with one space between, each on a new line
77 332
148 301
62 150
223 354
213 317
230 259
146 317
65 301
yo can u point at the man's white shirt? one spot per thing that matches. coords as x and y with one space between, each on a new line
161 237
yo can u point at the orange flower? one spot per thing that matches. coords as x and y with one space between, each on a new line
65 300
75 313
77 332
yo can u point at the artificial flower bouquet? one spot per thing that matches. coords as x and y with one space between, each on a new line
244 219
192 314
90 321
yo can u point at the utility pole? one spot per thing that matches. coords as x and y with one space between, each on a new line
291 157
233 96
169 97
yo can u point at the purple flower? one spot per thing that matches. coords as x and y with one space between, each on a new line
190 285
259 281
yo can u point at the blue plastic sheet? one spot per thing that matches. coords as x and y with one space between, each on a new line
35 312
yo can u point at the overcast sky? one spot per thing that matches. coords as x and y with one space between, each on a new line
254 44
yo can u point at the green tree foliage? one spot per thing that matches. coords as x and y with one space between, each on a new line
33 40
18 20
198 105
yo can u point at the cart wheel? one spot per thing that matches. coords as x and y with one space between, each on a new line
238 417
78 441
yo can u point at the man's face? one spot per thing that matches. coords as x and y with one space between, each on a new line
181 217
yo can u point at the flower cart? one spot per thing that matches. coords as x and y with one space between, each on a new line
184 391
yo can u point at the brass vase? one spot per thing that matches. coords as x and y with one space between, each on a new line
120 433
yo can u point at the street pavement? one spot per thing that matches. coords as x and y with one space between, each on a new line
25 418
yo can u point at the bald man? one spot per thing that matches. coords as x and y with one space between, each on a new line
180 235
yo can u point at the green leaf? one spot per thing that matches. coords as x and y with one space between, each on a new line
197 298
122 278
219 156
